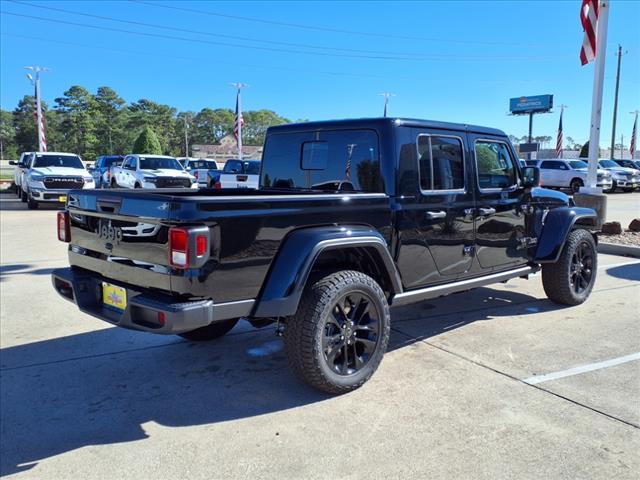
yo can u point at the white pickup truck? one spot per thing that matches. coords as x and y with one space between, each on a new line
239 174
48 177
200 168
151 171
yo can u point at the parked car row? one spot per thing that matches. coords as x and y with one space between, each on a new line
48 176
572 173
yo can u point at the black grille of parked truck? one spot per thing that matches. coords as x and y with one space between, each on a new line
351 217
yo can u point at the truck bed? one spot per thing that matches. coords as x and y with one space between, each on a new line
246 230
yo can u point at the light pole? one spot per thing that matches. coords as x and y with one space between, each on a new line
386 96
239 121
42 141
186 138
615 104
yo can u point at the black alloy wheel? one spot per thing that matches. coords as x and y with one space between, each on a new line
581 268
575 185
337 338
351 333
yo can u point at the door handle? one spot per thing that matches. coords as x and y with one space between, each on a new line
434 215
483 212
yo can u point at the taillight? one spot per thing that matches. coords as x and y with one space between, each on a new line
188 247
179 247
217 185
201 245
64 227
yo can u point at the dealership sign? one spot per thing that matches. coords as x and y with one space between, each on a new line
537 103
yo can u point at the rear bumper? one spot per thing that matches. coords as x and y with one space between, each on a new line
145 311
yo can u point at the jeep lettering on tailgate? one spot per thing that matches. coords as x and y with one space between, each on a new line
108 232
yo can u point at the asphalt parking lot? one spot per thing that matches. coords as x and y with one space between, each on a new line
493 383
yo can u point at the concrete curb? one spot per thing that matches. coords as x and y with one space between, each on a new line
615 249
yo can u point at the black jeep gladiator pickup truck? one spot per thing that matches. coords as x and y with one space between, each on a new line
351 217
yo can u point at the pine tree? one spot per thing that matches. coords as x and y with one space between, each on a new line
147 142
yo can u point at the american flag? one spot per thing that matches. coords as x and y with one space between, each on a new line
559 139
589 20
347 168
238 121
43 138
632 147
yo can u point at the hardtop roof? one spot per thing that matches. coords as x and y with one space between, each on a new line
385 122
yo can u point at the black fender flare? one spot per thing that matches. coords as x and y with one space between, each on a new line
557 224
295 259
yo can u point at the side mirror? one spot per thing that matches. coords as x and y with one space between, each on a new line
530 177
89 166
13 162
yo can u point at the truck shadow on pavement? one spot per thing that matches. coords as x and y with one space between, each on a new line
22 269
626 272
108 386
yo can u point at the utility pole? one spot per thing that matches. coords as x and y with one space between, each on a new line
42 141
186 138
615 103
239 120
386 96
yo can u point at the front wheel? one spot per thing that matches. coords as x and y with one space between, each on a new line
614 185
32 204
23 196
210 332
338 336
570 280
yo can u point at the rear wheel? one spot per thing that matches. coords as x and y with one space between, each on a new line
338 336
114 184
210 332
570 280
137 185
575 185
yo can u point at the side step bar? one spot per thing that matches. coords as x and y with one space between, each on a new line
462 285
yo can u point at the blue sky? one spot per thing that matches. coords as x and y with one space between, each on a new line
450 61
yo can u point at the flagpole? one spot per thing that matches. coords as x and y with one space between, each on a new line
42 145
596 99
239 86
634 133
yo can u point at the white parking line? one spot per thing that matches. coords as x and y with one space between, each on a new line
582 369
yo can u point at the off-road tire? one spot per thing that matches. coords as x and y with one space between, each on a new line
210 332
305 331
556 277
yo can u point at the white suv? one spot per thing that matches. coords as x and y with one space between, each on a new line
151 171
571 174
49 176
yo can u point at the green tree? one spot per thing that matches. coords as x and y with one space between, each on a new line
211 125
77 110
584 151
110 121
8 146
161 118
24 123
147 142
256 124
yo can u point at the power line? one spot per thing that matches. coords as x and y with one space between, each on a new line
200 59
329 29
253 47
219 35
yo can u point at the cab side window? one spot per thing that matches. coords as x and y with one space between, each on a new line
441 163
495 165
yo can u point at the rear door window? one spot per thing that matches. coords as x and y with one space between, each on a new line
441 163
